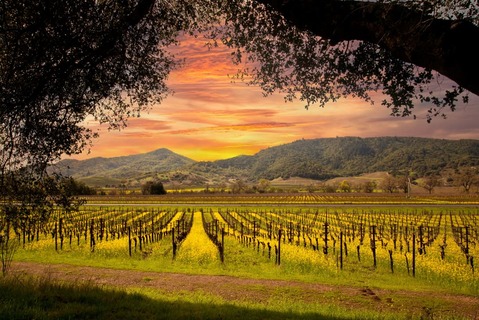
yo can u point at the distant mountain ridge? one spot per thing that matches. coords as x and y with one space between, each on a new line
321 159
125 167
326 158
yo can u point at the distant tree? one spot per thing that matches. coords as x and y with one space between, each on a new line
222 186
344 186
153 187
122 188
263 185
369 186
430 182
356 187
466 177
238 186
389 184
158 188
329 187
207 188
402 183
76 188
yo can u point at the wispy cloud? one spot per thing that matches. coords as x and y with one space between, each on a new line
238 127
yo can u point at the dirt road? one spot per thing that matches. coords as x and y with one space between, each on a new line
429 304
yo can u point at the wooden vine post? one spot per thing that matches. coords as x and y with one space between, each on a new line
222 247
391 260
341 250
129 240
140 236
102 229
173 241
278 255
325 249
60 229
56 236
414 254
92 235
421 240
373 244
466 248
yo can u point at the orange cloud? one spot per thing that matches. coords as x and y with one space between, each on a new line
149 124
238 127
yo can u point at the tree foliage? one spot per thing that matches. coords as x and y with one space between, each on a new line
430 182
320 51
369 186
153 187
62 62
75 188
466 177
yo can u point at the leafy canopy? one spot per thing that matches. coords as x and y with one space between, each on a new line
65 61
354 48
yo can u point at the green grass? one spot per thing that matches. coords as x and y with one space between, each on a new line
29 298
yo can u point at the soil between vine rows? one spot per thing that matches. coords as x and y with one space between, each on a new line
231 289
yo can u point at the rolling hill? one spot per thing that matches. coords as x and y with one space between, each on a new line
319 159
116 170
349 156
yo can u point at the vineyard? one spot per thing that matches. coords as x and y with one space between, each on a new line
298 198
346 256
437 246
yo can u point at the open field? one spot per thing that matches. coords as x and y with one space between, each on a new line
260 256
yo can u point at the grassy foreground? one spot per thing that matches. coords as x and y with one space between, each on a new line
154 295
42 298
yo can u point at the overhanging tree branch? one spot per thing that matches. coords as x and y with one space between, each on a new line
445 46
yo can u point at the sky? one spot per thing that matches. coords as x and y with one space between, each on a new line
210 118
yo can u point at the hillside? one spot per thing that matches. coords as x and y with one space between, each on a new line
101 171
350 156
319 159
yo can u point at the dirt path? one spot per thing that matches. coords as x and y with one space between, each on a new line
425 304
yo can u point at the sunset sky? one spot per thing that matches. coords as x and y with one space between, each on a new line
210 118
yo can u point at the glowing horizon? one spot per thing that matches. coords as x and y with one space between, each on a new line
210 118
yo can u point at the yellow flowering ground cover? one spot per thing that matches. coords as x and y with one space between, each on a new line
197 247
377 242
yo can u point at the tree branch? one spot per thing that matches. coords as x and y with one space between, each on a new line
445 46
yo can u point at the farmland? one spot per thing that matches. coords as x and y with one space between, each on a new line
337 256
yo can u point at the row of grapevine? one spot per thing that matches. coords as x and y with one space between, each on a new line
376 237
408 233
92 225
